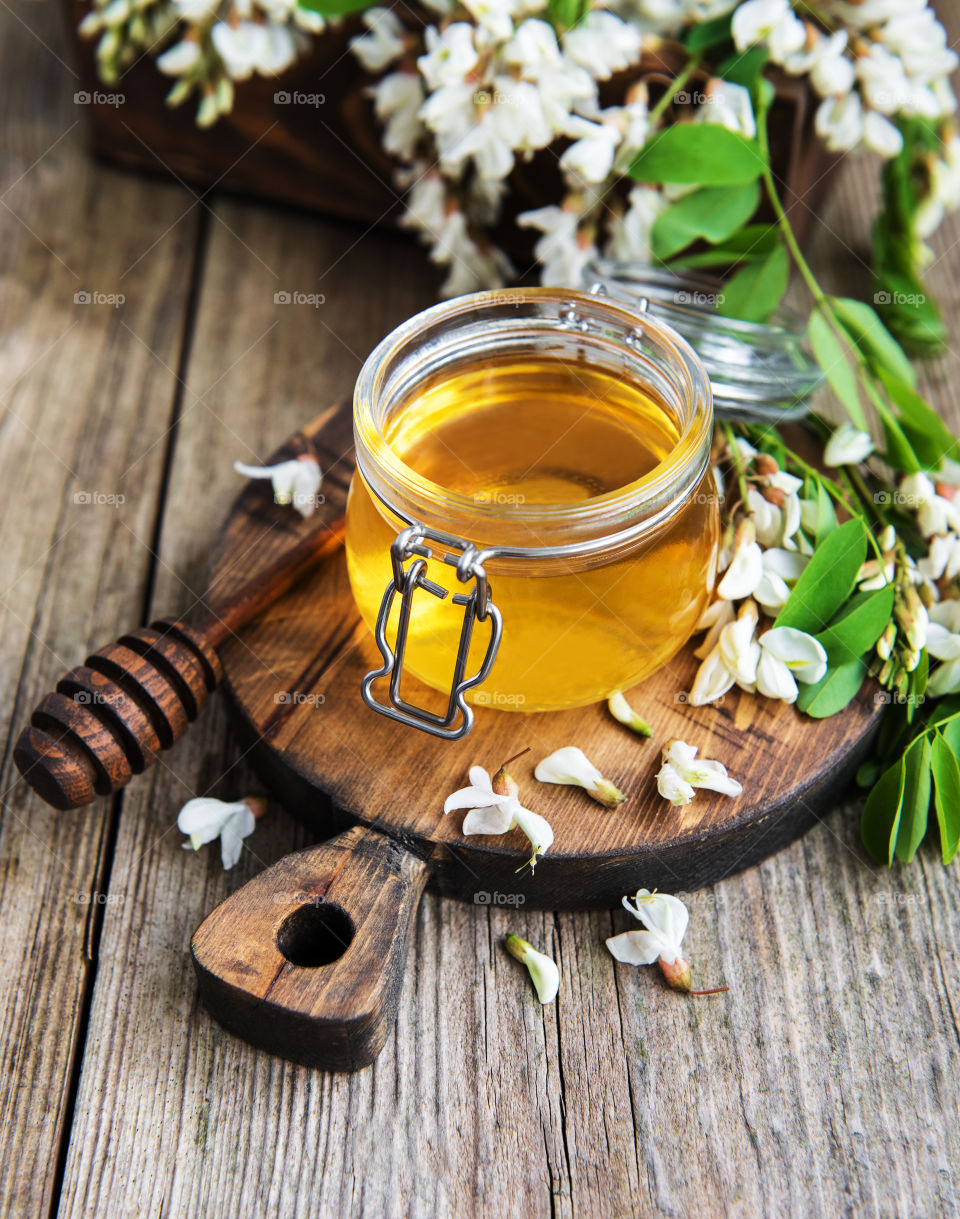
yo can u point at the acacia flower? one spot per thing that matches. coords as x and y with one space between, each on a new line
295 482
746 567
739 649
203 819
571 767
682 772
848 446
495 809
786 657
621 711
665 920
543 971
714 618
781 569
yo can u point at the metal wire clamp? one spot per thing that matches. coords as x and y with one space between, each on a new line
477 605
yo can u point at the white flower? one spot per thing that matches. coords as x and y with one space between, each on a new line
250 47
942 643
880 135
788 656
450 56
383 44
712 681
682 772
494 17
238 47
746 567
180 58
562 249
729 106
603 44
832 74
426 203
470 267
739 649
848 446
942 559
839 122
771 22
499 813
665 919
935 513
713 619
571 766
629 234
781 569
590 158
397 99
295 482
203 819
543 971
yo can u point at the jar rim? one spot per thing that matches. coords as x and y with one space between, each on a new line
641 505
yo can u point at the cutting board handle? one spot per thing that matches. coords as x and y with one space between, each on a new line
306 960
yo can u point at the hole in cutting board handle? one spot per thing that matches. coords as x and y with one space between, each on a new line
256 962
316 934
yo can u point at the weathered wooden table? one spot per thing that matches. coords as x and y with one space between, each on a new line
826 1082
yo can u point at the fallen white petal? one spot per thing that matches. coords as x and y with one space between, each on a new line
634 947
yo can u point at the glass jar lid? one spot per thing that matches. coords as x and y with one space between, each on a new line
759 371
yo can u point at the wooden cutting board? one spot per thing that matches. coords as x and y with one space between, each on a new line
294 677
306 960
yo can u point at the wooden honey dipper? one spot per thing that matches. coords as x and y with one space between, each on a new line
109 718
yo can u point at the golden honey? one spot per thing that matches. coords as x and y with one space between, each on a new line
585 473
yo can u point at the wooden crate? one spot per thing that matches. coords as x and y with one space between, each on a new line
328 157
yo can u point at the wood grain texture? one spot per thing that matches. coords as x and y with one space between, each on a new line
328 757
824 1084
86 395
307 959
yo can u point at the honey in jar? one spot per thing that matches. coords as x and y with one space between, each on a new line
558 442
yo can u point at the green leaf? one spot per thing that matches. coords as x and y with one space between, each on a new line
754 293
873 339
833 691
713 213
750 244
880 821
836 367
566 14
826 515
898 451
334 8
745 68
946 786
858 627
827 580
928 435
916 799
708 34
703 154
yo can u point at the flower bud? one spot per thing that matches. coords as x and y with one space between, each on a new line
621 711
677 974
543 971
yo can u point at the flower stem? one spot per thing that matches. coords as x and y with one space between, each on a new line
657 113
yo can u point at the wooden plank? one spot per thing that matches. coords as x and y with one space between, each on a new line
821 1084
86 394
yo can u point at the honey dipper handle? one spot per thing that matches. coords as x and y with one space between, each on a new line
109 718
306 960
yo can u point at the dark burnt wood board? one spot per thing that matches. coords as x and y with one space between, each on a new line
332 762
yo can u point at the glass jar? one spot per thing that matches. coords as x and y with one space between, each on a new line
543 455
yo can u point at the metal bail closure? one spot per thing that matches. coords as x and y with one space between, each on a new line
477 606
